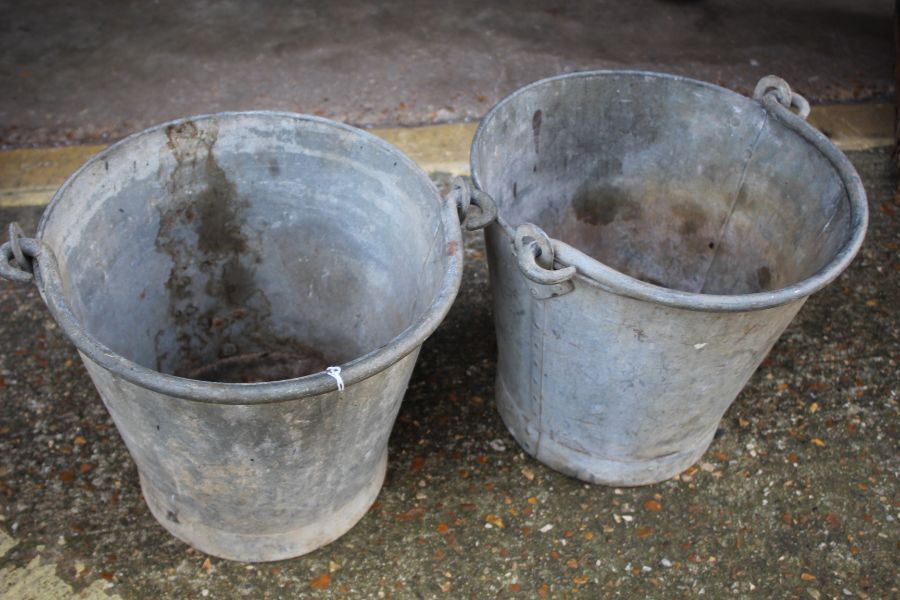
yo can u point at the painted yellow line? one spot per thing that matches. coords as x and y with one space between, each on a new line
7 543
436 148
38 580
855 126
29 177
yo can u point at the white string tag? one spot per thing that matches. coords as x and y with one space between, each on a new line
335 372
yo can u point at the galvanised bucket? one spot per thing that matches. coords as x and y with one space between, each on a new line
249 292
655 236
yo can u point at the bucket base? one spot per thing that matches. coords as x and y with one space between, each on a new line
249 547
592 469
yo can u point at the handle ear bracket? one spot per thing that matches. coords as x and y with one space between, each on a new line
534 252
466 197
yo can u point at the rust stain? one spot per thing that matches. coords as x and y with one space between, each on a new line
536 121
221 317
764 277
452 247
213 296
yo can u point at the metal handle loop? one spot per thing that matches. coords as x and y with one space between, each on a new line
487 211
15 234
466 197
534 251
779 88
17 255
460 187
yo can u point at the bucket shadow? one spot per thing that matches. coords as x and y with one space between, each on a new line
449 408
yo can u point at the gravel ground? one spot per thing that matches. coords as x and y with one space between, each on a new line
796 498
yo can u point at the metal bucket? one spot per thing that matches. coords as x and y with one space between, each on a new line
685 227
209 271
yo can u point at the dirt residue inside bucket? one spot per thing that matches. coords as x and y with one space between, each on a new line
222 318
599 203
663 235
261 366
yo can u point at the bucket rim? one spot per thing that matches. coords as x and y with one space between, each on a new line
595 273
47 278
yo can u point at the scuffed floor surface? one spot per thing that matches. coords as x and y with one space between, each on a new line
93 71
796 498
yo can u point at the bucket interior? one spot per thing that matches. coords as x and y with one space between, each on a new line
671 181
248 247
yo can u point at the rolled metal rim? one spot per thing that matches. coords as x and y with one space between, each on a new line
365 366
593 272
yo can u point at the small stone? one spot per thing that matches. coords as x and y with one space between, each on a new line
546 528
321 582
666 563
494 520
528 473
414 514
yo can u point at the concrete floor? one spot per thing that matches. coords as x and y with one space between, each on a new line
93 71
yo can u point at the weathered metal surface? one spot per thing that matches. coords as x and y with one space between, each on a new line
252 250
690 223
